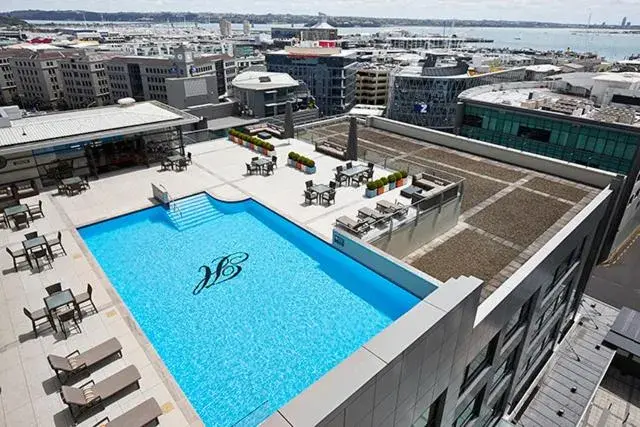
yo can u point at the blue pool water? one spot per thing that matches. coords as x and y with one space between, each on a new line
291 307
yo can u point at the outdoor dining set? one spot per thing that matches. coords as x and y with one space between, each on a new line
21 214
350 174
176 162
37 249
262 165
321 193
73 185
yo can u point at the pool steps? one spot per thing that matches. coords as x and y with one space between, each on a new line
192 211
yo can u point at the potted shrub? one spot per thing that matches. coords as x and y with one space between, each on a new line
384 186
392 181
403 177
372 189
300 162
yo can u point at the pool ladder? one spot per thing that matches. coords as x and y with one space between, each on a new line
173 206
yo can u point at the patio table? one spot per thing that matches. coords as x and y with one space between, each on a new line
57 300
320 189
354 172
36 242
12 211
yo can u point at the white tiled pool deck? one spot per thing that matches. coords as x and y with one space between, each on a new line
29 391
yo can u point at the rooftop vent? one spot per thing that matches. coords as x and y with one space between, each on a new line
264 79
125 102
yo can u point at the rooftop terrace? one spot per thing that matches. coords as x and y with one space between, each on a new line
507 212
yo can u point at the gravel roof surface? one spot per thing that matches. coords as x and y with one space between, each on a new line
468 253
401 144
482 167
556 189
520 217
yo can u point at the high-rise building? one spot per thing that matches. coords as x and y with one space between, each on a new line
427 95
330 74
372 85
624 22
8 88
85 80
143 78
37 77
246 27
225 28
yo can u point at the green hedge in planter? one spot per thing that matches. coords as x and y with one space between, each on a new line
252 140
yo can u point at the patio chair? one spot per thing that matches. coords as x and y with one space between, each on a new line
339 177
182 165
373 214
251 168
308 184
165 165
66 317
367 175
41 254
268 168
55 241
54 289
274 160
145 414
387 207
85 183
254 159
76 362
310 196
329 196
36 316
90 394
62 189
74 188
358 227
4 219
85 297
17 254
32 235
332 185
349 165
189 159
370 165
35 209
21 219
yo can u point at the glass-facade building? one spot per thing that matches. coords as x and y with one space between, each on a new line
331 79
599 145
430 100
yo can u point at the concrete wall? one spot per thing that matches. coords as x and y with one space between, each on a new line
411 235
414 281
214 111
191 91
555 167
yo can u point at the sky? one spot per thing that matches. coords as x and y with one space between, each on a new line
566 11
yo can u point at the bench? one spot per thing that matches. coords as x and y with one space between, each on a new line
332 150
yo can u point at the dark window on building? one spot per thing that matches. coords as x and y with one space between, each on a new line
542 135
481 361
623 99
471 411
496 410
431 417
505 368
472 120
518 318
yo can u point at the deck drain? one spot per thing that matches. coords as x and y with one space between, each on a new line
167 407
112 313
77 256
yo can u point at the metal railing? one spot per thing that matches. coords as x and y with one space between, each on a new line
173 207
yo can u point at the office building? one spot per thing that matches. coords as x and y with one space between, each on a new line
225 28
330 74
264 94
427 95
242 64
85 79
143 78
8 87
584 119
38 78
372 85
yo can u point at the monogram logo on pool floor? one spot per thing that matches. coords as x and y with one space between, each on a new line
226 268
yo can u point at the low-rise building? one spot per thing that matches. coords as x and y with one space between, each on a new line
8 87
264 94
85 80
38 77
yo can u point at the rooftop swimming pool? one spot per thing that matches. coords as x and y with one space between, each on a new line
245 308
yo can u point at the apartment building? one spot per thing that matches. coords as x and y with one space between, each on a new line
372 85
143 78
8 88
85 79
251 61
38 78
329 72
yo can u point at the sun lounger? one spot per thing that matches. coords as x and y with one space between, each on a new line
142 415
90 394
356 227
76 362
387 207
370 213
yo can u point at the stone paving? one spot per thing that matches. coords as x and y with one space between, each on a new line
29 390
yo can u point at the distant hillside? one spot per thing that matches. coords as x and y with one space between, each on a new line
10 21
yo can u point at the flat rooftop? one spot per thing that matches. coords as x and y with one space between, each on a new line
508 213
549 100
92 123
